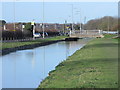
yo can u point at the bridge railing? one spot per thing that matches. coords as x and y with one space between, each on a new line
89 32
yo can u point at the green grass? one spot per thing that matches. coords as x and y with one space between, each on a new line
109 35
16 44
94 66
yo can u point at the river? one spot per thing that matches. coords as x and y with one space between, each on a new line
27 68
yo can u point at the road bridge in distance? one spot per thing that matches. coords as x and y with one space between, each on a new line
86 33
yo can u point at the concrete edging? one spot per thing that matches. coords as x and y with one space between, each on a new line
9 50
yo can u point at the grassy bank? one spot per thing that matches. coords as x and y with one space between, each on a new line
16 44
94 66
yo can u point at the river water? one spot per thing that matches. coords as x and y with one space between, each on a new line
27 68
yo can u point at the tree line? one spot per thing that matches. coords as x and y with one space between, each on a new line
104 23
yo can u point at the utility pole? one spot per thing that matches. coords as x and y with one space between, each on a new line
43 22
72 29
14 14
14 19
84 23
80 27
80 24
72 19
79 13
65 27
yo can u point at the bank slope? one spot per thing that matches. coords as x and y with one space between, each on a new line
8 47
94 66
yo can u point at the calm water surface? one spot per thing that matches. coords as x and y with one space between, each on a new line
27 68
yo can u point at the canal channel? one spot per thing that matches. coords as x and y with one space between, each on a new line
27 68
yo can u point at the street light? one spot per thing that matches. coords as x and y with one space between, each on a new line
14 18
14 13
84 23
43 21
72 18
78 12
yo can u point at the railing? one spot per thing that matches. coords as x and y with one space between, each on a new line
15 40
86 33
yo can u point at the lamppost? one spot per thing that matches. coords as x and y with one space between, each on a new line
14 18
65 27
84 23
72 18
14 13
43 22
78 12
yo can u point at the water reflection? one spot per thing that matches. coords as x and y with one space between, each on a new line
27 68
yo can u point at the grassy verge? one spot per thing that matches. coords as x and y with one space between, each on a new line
16 44
94 66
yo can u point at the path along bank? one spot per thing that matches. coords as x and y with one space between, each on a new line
93 66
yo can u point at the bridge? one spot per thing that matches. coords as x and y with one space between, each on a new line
86 33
